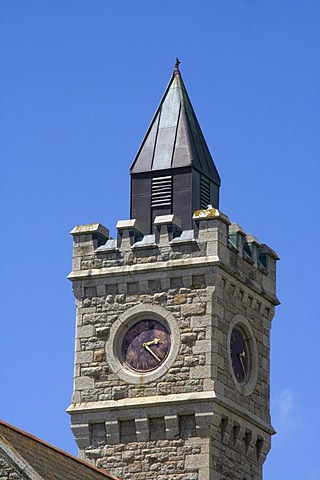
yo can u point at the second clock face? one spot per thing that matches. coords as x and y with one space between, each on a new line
146 345
239 355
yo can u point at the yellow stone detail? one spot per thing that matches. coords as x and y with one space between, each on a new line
208 213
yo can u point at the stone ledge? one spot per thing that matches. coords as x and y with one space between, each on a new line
129 224
171 265
90 228
209 397
167 220
144 267
141 402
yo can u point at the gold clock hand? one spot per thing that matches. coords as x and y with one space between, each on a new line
241 356
146 346
153 342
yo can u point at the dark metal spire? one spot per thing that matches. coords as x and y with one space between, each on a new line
174 138
173 151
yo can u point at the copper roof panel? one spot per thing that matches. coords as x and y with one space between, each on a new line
147 150
164 149
174 138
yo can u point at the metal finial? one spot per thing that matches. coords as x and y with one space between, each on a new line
177 64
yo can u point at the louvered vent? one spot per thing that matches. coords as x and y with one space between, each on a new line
161 193
204 192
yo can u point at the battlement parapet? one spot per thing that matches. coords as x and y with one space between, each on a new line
213 240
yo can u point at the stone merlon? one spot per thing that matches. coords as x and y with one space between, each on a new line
213 241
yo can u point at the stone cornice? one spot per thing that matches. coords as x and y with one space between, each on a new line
173 399
168 265
144 267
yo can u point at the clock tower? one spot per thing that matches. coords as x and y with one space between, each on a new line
172 360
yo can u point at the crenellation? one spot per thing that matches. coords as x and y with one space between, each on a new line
129 232
167 228
212 241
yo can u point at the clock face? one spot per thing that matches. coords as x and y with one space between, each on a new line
146 345
240 356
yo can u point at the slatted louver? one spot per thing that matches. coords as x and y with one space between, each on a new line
161 193
204 192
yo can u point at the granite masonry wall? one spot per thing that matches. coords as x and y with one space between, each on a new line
6 471
192 421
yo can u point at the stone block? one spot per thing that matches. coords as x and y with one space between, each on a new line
84 357
157 428
88 230
101 290
167 227
112 432
83 383
142 429
172 426
195 461
201 371
131 224
189 338
187 281
167 220
81 434
202 346
195 309
129 232
85 331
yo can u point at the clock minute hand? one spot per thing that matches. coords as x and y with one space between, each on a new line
153 342
146 346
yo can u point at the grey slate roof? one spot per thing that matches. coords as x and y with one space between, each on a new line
34 459
174 138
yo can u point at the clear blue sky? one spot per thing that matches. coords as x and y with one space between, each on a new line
80 81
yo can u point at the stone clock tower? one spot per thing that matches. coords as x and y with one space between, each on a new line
172 359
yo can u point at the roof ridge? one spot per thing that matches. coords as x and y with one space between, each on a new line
59 450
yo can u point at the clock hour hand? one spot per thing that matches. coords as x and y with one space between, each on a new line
241 356
146 346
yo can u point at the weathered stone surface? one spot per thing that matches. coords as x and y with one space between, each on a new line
7 472
204 285
99 356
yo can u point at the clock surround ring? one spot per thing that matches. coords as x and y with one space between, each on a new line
241 324
131 317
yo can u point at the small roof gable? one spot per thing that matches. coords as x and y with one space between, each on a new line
35 459
174 138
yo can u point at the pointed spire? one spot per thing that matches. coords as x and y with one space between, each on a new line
174 138
173 172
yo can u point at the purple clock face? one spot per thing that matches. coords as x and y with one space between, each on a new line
239 355
146 345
